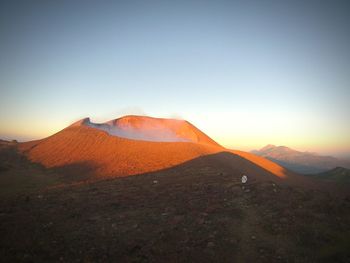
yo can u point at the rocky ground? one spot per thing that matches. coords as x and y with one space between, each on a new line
196 212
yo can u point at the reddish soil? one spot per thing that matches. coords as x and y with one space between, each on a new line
107 155
198 211
71 198
181 128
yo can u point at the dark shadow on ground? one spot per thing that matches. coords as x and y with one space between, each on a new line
18 175
198 211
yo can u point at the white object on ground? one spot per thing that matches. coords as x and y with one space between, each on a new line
244 179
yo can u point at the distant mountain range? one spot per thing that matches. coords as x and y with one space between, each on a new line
301 162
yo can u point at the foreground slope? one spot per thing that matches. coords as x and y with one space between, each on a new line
198 211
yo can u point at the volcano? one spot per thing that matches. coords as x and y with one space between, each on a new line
133 145
151 129
160 190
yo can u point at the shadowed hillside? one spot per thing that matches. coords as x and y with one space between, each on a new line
338 174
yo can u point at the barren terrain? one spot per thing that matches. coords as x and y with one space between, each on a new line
84 195
197 211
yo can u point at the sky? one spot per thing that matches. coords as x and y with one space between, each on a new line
247 73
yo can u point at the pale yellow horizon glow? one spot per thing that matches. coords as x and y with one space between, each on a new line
248 132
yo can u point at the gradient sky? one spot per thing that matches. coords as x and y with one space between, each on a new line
247 73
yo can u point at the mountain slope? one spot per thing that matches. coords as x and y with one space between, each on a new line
301 162
98 153
95 150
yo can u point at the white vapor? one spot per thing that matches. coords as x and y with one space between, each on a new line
145 131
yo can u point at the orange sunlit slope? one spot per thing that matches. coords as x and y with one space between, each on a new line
112 155
82 144
263 162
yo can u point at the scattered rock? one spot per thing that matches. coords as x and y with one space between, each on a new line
200 221
283 220
115 205
47 225
176 219
210 244
253 237
233 241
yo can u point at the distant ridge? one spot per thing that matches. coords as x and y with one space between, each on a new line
301 162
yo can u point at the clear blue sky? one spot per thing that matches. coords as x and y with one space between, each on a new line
247 73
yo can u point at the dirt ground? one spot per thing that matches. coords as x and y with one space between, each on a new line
195 212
